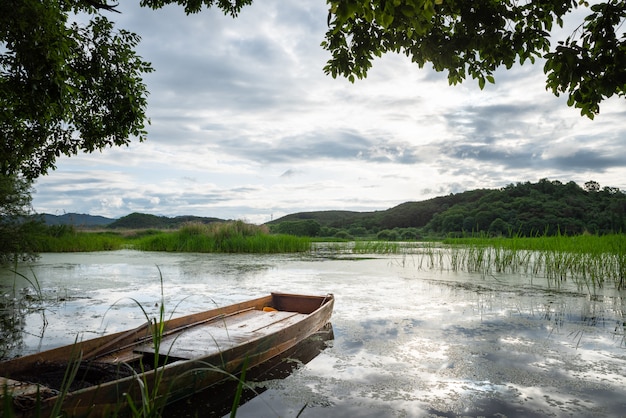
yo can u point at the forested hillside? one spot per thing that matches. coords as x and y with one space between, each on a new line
545 207
146 221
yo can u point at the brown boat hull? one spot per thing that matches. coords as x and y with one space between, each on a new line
195 352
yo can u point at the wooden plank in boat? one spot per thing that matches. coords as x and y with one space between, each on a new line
265 322
208 339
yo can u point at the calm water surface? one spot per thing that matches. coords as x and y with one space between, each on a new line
408 342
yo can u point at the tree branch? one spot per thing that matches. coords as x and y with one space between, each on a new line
104 6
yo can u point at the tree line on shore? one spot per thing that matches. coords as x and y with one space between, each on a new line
523 209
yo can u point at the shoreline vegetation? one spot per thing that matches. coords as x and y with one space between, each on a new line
217 237
590 261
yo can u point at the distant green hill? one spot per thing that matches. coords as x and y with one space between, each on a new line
132 221
76 219
545 207
145 221
405 215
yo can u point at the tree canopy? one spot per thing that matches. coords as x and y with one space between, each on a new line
65 87
474 38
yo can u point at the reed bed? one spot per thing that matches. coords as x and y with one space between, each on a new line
369 247
79 241
227 237
376 247
588 260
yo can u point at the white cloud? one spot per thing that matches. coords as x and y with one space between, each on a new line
112 203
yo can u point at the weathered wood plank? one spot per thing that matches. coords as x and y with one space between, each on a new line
259 321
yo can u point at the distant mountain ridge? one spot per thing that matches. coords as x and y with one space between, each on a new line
77 219
405 215
146 221
132 221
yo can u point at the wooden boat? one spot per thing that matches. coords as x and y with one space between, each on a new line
122 370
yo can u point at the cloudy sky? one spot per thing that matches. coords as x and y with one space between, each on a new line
245 125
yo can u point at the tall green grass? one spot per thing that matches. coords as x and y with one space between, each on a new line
364 246
588 260
227 237
376 247
71 240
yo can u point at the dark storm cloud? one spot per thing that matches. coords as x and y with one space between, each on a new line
80 179
209 60
531 156
345 145
484 153
204 82
588 159
529 136
489 123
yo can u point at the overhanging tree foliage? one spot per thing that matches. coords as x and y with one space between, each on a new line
473 38
65 87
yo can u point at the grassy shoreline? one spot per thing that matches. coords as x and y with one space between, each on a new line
590 260
226 237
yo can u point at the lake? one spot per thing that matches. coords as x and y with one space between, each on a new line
409 341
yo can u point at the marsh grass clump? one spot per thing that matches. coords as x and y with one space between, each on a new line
365 246
66 238
589 260
376 247
223 237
